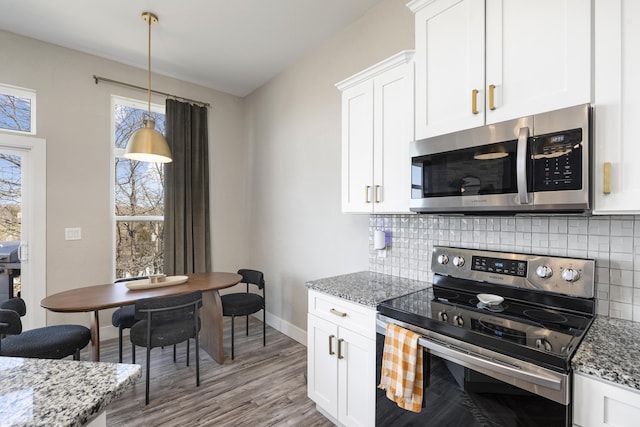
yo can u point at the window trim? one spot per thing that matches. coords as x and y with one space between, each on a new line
20 92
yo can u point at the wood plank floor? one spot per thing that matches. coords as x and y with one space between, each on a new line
263 386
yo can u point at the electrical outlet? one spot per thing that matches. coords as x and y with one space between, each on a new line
73 233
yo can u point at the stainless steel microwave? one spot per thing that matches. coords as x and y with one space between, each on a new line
539 163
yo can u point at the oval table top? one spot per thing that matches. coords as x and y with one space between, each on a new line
100 297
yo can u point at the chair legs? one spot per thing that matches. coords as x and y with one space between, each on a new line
232 319
120 345
264 331
146 393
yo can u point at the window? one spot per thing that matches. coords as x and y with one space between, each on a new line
17 110
138 195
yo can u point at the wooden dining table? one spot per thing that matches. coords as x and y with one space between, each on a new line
113 295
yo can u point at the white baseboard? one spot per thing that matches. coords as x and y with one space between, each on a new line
287 328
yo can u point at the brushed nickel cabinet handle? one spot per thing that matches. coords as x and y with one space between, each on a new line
338 313
492 103
340 341
606 178
377 198
331 352
474 101
366 194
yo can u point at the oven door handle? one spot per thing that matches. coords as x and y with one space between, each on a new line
473 360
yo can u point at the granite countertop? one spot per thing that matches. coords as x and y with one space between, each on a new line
366 287
41 392
610 352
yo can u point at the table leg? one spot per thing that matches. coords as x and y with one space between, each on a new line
95 336
211 333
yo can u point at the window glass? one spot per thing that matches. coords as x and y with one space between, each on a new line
138 196
17 109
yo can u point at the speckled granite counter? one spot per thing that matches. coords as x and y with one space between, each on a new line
39 392
610 351
365 287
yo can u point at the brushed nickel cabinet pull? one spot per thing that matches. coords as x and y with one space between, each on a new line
337 313
331 352
492 103
366 194
606 178
474 101
340 341
377 194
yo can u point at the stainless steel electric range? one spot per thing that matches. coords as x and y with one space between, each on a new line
499 331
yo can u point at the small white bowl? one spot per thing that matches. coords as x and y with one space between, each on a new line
490 299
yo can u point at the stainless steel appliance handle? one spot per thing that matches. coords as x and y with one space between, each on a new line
521 165
470 360
476 361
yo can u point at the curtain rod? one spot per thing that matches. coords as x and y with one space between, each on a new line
104 79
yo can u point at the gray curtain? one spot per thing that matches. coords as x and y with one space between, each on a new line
187 247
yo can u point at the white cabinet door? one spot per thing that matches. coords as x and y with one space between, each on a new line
322 366
449 66
356 379
598 403
535 57
377 126
617 90
357 148
393 130
538 56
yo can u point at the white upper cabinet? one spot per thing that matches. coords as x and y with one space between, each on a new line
617 90
483 62
377 126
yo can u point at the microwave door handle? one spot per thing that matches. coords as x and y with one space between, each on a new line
521 166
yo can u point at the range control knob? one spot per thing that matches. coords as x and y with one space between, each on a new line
543 344
570 275
458 261
443 316
458 320
544 272
443 259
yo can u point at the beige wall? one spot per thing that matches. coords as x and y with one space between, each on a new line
73 115
275 162
298 232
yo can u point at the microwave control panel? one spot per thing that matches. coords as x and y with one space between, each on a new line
557 161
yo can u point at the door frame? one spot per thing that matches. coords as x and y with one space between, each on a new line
33 237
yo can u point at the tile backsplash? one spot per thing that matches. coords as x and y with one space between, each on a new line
612 241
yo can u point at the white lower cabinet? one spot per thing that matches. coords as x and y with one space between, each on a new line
341 357
599 403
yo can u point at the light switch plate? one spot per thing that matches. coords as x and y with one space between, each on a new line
73 233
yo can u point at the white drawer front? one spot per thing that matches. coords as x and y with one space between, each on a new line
353 316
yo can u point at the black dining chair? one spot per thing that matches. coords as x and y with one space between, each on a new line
246 303
163 321
124 318
48 342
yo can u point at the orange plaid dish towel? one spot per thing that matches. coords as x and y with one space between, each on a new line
402 372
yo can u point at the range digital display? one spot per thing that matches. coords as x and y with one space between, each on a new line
500 266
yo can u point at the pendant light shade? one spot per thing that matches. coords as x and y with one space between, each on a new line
147 144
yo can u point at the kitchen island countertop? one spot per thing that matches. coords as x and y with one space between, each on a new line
42 392
610 351
366 287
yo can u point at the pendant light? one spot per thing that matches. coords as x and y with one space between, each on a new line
146 144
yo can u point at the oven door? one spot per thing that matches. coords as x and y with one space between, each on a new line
472 387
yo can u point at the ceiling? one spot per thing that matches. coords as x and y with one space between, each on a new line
233 46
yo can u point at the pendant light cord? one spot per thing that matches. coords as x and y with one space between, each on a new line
149 69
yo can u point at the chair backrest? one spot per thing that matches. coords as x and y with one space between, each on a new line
171 308
10 323
253 277
16 304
